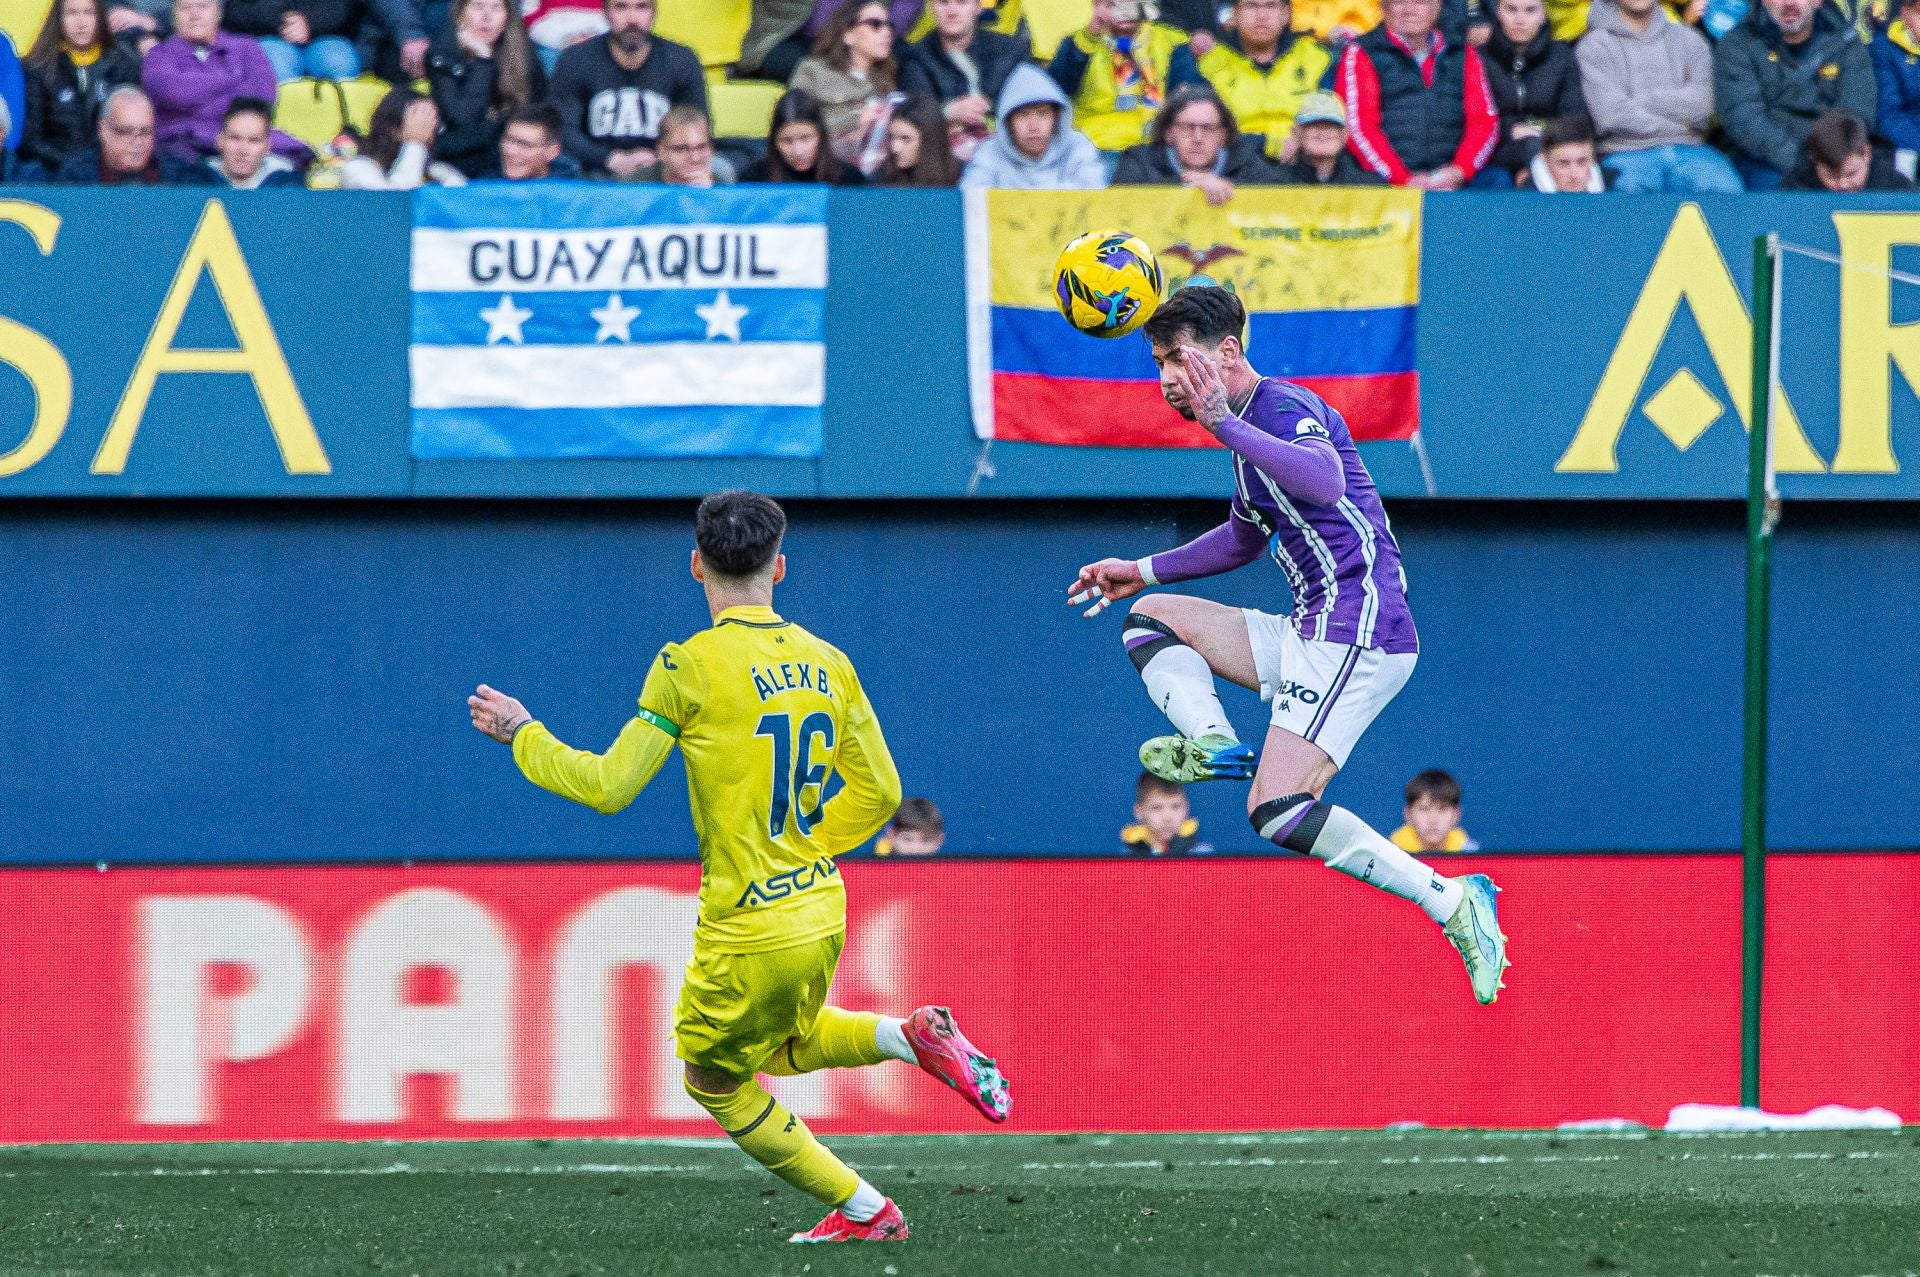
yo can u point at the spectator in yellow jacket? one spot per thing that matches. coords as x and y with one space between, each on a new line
1263 69
1119 68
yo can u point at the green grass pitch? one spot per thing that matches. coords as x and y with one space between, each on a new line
1439 1202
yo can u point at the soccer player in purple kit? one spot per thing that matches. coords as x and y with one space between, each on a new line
1327 668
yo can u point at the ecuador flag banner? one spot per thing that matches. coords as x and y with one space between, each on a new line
1330 277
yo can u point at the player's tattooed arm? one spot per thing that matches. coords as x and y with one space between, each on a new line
1206 392
496 714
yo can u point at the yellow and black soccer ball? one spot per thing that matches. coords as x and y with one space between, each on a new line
1107 283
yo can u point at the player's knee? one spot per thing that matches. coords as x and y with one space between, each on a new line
1292 821
1146 636
709 1086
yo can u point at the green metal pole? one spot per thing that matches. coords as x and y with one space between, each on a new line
1762 511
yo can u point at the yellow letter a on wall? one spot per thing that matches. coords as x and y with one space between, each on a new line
214 251
1688 270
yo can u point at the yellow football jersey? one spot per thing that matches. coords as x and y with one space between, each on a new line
764 713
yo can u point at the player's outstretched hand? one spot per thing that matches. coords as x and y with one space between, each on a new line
1103 583
496 714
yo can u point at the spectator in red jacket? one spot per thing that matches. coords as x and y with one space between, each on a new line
1419 107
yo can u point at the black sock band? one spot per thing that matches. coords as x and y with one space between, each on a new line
1146 637
1292 821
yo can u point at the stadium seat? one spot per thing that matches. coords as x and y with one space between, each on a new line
1052 21
359 98
20 21
310 109
743 108
712 28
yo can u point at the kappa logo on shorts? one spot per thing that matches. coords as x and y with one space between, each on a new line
1290 689
782 885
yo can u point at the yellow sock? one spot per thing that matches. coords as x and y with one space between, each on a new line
839 1040
779 1141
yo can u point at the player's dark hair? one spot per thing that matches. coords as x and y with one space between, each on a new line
1433 783
1203 313
1149 784
738 532
919 815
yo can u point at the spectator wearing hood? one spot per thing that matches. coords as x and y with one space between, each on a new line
1263 68
1418 104
194 75
1568 163
1119 68
1195 142
70 70
1896 70
1839 157
1534 79
1321 157
961 66
1787 64
1648 82
1036 147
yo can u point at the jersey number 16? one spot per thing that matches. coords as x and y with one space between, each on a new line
794 771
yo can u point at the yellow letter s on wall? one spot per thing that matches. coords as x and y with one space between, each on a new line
37 359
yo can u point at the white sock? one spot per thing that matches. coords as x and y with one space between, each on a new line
864 1204
890 1035
1351 846
1181 684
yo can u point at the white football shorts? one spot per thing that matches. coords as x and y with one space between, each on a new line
1328 693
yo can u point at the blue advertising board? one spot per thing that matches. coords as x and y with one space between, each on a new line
256 344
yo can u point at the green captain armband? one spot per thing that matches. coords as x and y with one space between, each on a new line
666 725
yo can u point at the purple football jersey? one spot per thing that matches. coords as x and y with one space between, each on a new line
1340 560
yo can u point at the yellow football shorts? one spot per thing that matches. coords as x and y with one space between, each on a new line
737 1009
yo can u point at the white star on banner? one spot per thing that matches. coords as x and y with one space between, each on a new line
723 317
615 319
504 320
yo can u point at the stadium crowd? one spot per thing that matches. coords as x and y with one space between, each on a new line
1555 96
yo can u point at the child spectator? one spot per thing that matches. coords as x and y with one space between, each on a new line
1648 82
613 91
398 154
1118 70
1566 164
1785 65
686 152
479 67
1036 147
1321 157
1263 71
1534 79
917 149
124 154
1419 107
194 75
1433 815
797 149
1163 823
962 67
1896 72
301 37
70 70
530 148
851 72
917 829
1195 142
1838 156
243 159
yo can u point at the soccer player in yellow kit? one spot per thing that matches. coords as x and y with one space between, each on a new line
764 713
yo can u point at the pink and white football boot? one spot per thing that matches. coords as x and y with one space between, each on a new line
888 1226
942 1050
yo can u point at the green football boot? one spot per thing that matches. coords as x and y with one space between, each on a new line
1184 761
1475 931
